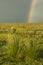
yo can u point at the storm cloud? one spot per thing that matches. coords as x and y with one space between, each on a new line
14 10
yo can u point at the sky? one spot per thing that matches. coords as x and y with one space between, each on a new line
14 10
36 14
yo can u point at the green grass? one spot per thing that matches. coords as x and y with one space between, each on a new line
21 44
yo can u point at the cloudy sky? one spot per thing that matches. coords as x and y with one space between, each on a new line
36 14
14 10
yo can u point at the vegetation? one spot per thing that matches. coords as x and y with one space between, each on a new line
21 44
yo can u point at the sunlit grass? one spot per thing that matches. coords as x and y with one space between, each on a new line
21 44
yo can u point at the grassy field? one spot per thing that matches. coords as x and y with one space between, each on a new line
21 44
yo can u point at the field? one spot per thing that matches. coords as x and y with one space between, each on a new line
21 44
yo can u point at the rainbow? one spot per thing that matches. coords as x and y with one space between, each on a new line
31 10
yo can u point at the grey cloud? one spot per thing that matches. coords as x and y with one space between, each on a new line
14 10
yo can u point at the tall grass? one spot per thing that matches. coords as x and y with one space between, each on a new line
21 46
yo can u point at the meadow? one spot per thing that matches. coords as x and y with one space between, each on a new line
21 44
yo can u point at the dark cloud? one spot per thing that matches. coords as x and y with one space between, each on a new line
14 10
